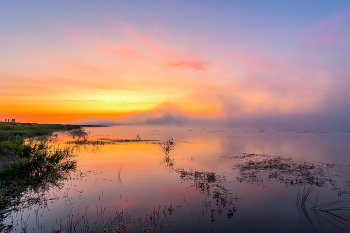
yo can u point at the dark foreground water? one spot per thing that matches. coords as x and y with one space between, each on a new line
196 180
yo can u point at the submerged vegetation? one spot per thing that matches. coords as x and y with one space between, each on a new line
167 147
158 218
218 199
107 141
258 168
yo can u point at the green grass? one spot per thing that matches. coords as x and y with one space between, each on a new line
12 146
31 165
31 129
44 167
12 135
42 161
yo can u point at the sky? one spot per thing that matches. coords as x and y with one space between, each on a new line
227 63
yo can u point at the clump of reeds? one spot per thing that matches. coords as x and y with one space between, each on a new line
284 170
12 146
86 141
166 148
42 166
218 198
120 222
333 212
79 133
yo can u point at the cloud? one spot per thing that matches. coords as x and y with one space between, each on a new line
334 116
100 101
82 65
265 86
138 37
159 53
133 45
250 63
121 50
332 31
189 64
328 38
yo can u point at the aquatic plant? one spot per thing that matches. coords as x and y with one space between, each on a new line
329 212
260 168
12 146
155 219
43 168
166 148
79 133
106 141
218 197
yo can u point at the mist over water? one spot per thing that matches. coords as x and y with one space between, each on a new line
225 116
332 117
197 179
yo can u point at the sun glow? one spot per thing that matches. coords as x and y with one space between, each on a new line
129 70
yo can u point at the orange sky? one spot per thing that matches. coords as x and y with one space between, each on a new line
117 68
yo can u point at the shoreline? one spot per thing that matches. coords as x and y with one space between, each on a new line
27 130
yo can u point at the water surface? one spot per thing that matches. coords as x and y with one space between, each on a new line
180 179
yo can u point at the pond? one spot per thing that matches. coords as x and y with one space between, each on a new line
181 179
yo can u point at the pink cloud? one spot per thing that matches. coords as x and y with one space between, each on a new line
104 46
250 63
118 50
75 63
334 20
328 38
138 37
205 42
332 31
134 45
195 65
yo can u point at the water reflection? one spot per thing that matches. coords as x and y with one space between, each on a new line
289 172
218 198
255 168
167 147
139 179
25 184
330 212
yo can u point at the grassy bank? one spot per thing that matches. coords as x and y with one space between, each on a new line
44 166
28 165
26 130
12 135
13 143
